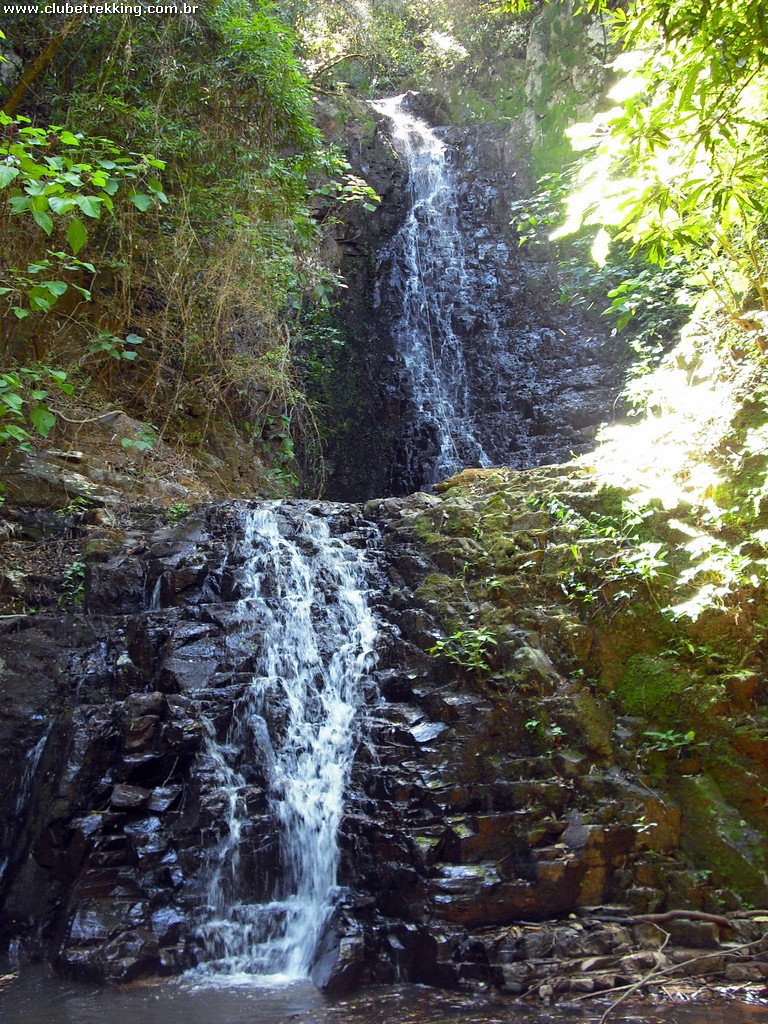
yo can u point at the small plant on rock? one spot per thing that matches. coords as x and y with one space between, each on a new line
468 648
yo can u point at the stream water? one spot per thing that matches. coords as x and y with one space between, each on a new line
39 998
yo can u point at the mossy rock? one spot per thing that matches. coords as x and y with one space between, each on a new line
717 838
652 687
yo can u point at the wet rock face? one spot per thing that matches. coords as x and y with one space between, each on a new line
462 820
108 831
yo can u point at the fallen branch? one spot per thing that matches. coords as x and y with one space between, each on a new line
686 915
338 60
656 969
651 978
671 915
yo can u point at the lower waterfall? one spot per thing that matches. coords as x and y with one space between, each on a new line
304 600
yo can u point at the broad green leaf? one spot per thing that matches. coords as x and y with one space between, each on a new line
77 235
90 205
69 139
42 419
13 401
20 203
38 302
56 288
141 201
59 205
43 220
15 431
7 174
19 312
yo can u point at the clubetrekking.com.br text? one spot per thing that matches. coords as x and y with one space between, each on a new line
137 10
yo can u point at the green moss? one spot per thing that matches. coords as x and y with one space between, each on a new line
718 838
651 687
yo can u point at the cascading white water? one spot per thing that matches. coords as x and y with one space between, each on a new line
315 634
429 276
23 793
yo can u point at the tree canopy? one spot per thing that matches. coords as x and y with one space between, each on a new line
679 165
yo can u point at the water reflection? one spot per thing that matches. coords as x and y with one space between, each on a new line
38 997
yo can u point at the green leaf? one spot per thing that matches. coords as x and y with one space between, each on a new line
7 174
140 201
90 205
69 139
77 235
61 205
20 203
42 419
43 220
13 401
56 288
38 302
15 431
19 312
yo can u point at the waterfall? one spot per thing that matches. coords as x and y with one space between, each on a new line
22 796
304 606
428 274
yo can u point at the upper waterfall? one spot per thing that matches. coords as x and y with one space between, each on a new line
428 273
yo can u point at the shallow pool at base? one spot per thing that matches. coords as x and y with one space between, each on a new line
38 997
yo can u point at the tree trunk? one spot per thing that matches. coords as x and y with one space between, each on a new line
41 62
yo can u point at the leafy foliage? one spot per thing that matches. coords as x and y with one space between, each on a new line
211 283
678 165
469 648
24 395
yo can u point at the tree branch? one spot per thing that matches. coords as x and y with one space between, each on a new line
30 73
